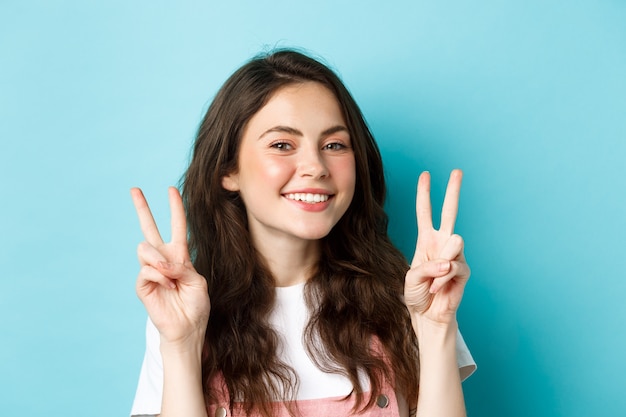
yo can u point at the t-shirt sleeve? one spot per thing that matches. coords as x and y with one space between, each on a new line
464 358
150 387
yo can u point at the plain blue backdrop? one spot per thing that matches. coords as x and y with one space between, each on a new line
528 97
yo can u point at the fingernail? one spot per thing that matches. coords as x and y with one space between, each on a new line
171 285
433 289
165 265
444 266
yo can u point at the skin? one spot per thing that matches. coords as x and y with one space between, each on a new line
175 295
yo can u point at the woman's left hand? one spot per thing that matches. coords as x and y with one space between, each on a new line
435 282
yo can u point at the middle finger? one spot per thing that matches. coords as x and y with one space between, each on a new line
451 202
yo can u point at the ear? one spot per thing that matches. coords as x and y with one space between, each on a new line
230 182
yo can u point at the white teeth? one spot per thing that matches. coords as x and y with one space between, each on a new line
308 197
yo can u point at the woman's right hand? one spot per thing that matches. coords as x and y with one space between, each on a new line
174 294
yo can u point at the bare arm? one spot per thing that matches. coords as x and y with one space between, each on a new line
440 392
182 380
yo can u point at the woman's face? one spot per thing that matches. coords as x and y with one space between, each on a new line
296 168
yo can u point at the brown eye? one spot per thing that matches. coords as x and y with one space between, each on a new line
283 146
335 146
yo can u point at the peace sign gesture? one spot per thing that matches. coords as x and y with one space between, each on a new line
174 294
435 282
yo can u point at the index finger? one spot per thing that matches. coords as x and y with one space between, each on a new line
146 220
450 207
178 221
423 208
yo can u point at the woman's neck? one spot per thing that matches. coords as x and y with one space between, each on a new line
290 261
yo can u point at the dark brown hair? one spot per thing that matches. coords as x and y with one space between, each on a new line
356 292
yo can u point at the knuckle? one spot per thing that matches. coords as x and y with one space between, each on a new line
142 248
175 272
457 240
413 272
145 271
461 269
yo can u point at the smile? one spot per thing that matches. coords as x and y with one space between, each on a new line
308 198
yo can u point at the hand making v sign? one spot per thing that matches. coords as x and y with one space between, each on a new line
435 282
174 294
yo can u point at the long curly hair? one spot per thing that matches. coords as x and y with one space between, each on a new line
354 296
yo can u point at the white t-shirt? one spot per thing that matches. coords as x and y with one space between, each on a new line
288 318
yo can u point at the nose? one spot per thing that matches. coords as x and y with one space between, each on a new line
312 164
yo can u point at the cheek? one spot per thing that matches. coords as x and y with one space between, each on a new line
345 173
276 169
268 171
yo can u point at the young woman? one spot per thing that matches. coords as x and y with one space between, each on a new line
280 292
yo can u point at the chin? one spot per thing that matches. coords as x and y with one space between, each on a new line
314 234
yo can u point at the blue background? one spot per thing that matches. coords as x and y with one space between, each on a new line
528 97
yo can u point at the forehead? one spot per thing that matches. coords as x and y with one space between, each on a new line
306 104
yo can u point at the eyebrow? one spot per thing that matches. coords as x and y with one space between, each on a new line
293 131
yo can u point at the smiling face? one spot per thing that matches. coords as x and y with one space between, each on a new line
296 168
